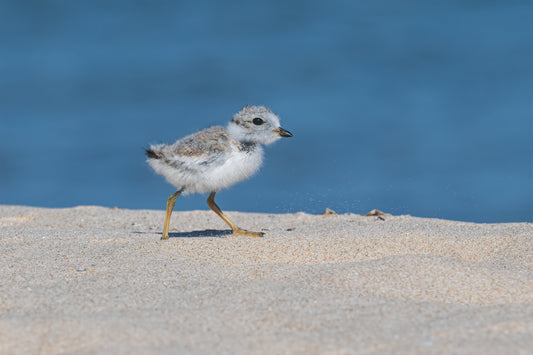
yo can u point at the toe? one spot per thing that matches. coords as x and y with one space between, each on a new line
248 233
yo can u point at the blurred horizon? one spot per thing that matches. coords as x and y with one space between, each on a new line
410 108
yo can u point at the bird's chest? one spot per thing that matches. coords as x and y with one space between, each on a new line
240 163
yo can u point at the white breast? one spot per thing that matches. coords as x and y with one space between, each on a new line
239 165
202 174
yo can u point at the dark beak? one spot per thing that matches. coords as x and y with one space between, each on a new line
283 132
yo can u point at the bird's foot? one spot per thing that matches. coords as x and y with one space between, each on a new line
239 231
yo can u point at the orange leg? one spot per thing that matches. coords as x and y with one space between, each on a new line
171 202
236 230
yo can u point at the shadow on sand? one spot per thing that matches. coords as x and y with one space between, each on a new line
206 233
201 234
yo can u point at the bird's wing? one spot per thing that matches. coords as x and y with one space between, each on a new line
207 148
209 141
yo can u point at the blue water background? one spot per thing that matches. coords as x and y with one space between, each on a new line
416 107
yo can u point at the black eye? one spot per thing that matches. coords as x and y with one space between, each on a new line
258 121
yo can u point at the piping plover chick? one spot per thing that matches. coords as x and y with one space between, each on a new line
216 158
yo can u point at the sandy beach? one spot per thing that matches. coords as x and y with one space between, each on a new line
89 280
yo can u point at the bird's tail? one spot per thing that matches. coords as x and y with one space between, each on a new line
152 154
